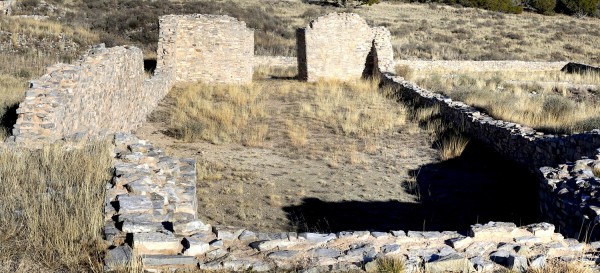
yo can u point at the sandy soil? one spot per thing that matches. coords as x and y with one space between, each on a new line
252 186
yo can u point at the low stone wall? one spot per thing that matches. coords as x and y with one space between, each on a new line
342 46
580 68
522 144
151 211
6 7
206 48
106 91
482 66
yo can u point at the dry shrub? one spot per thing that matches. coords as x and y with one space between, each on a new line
389 265
219 113
519 97
356 108
51 206
297 133
452 146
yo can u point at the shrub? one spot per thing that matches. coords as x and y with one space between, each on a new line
544 6
580 7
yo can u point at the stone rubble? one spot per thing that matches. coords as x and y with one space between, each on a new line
160 225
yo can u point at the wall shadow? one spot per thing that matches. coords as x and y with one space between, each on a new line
477 187
9 118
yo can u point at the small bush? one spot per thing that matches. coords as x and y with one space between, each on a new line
544 6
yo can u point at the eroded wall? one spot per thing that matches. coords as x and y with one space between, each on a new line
206 48
106 91
339 45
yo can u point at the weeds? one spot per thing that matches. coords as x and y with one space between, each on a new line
219 113
51 206
452 146
532 99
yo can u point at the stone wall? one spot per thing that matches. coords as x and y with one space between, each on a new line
481 66
580 68
566 208
275 61
206 48
106 91
6 7
151 210
339 45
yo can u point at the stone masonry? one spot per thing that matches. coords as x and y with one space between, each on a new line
567 202
150 213
339 45
206 48
6 7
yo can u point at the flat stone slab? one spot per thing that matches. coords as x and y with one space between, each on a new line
157 243
169 260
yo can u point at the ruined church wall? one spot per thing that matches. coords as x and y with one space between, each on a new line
334 46
206 48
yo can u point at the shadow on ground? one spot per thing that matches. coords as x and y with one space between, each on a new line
477 187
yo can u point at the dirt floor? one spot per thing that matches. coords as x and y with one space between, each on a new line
335 182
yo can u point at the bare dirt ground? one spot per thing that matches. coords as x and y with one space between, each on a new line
249 186
335 182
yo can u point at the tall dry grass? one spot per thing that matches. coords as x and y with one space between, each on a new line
219 113
355 108
51 207
522 97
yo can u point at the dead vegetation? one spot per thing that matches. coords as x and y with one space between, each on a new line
551 101
51 209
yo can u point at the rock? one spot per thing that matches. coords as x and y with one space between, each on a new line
169 260
518 263
494 230
217 253
156 243
528 240
479 248
247 235
460 243
544 230
191 227
364 253
228 233
269 245
378 235
360 235
134 204
216 243
136 227
317 237
118 257
450 263
500 257
195 247
325 253
430 235
390 249
538 262
282 255
399 233
237 265
481 265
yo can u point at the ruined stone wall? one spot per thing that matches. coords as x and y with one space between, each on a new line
206 48
6 7
339 45
580 68
524 145
150 210
106 91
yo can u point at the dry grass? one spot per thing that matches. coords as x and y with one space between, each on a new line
51 208
537 99
356 108
452 146
441 32
219 113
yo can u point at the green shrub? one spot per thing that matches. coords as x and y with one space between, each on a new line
544 6
580 7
